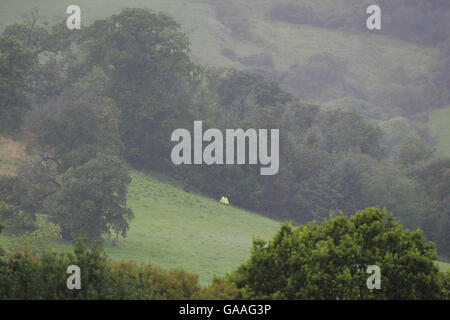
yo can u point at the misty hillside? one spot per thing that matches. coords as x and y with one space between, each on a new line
285 40
320 52
174 229
117 142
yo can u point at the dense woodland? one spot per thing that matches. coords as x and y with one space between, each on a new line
90 103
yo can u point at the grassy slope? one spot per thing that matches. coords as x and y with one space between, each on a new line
439 124
174 229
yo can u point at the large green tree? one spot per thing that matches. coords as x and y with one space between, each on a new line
15 64
65 133
146 59
50 46
434 179
91 201
412 151
73 128
329 261
344 130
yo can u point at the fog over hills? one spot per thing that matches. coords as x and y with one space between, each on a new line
155 142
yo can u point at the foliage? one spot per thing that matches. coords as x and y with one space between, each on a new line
434 178
146 59
15 207
38 35
92 199
38 241
412 151
364 108
15 64
346 130
2 252
25 277
49 45
79 149
72 129
330 261
386 186
219 289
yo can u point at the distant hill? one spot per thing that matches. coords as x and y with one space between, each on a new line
253 35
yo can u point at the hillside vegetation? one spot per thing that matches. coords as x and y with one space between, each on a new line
292 43
11 153
243 34
174 229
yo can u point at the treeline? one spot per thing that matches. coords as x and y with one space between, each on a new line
309 262
115 91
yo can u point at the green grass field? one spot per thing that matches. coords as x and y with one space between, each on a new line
440 128
174 229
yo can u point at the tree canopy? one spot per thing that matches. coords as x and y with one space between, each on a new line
329 261
15 64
